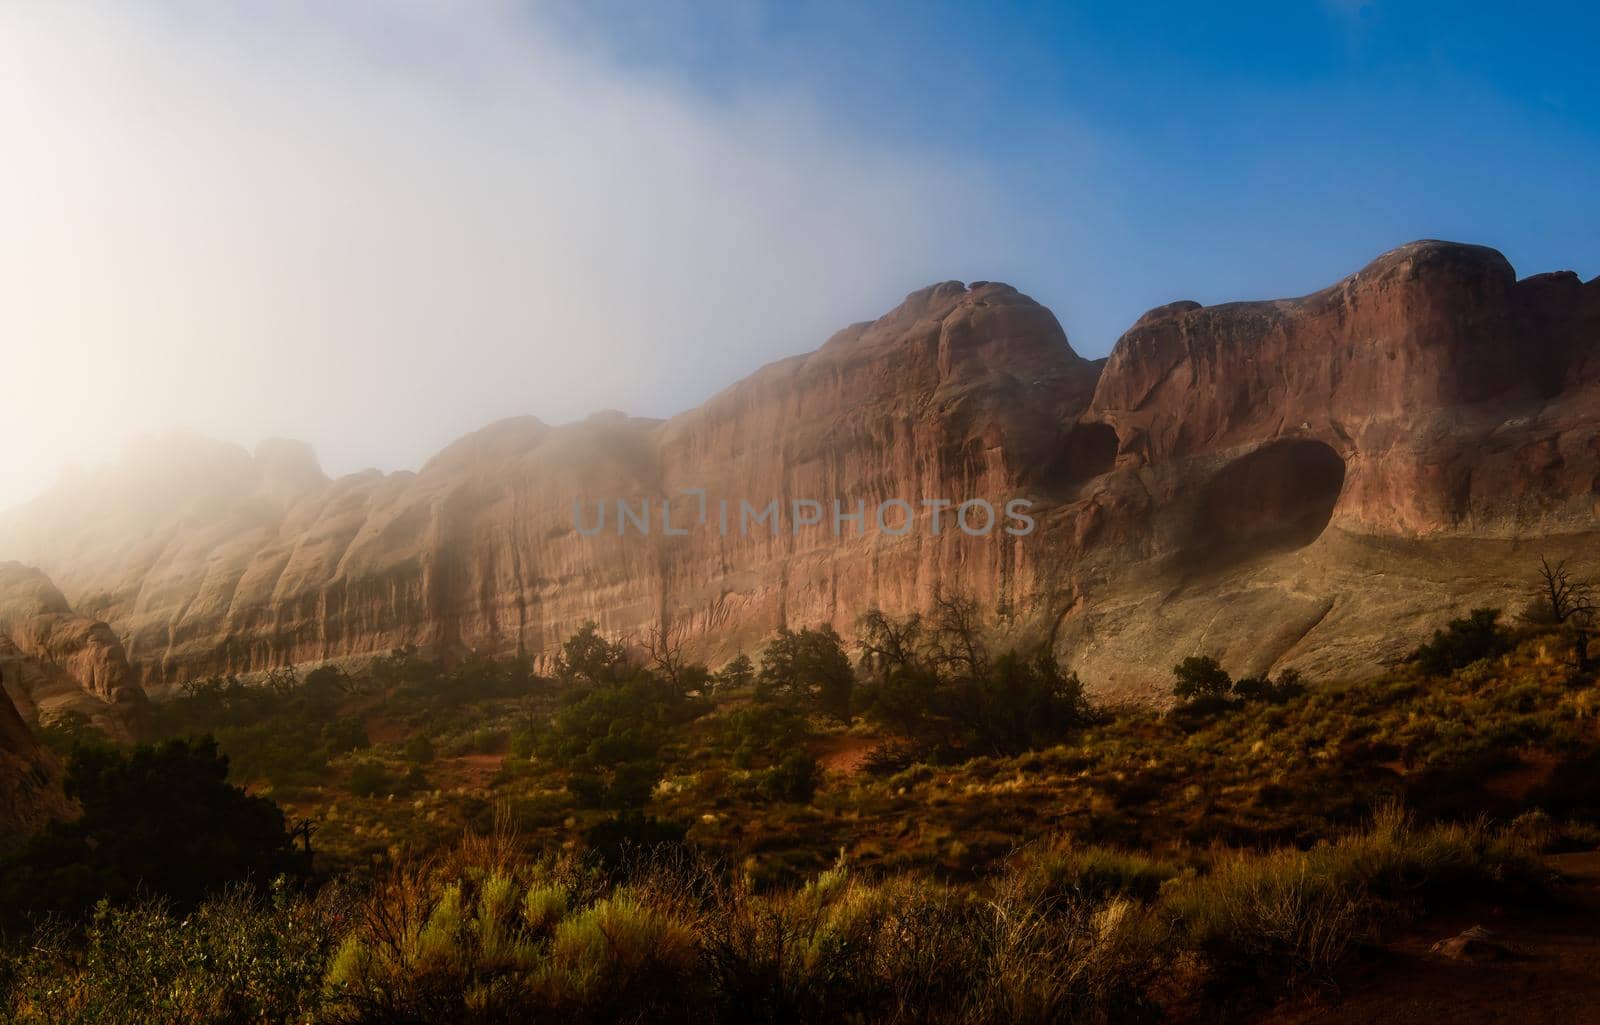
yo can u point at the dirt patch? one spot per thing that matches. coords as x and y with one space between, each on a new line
386 731
845 754
468 772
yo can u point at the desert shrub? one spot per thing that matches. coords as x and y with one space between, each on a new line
524 743
1291 915
938 683
794 779
627 786
892 757
486 937
332 678
419 749
1462 642
819 953
587 657
283 753
757 735
480 741
610 737
1018 704
630 949
620 842
372 779
1260 921
485 934
157 820
1286 687
241 959
347 733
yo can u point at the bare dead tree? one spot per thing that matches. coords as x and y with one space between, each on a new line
1566 600
303 829
282 680
1562 597
664 647
958 635
887 643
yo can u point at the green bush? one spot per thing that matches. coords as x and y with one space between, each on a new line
371 779
157 820
347 733
942 687
757 735
419 749
1286 687
1462 642
794 779
237 960
1200 678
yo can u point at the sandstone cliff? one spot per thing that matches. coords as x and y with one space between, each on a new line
55 661
1311 481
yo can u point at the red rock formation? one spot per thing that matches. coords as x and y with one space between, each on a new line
1310 481
1316 481
54 660
30 780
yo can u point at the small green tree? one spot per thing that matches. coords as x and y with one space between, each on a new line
587 657
737 673
810 667
1200 678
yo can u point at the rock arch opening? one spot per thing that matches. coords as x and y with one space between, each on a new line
1281 496
1091 451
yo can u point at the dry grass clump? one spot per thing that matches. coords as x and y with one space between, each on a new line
1287 917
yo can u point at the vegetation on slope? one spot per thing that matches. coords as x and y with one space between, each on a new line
925 831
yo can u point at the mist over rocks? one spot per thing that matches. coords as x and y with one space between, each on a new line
1310 482
54 660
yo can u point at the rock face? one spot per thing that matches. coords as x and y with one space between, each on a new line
30 781
55 661
1308 482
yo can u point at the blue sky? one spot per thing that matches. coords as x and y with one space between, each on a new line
1208 151
376 226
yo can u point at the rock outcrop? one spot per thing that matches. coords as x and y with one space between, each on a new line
30 780
55 661
1309 482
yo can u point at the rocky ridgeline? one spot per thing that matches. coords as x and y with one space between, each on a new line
1311 482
